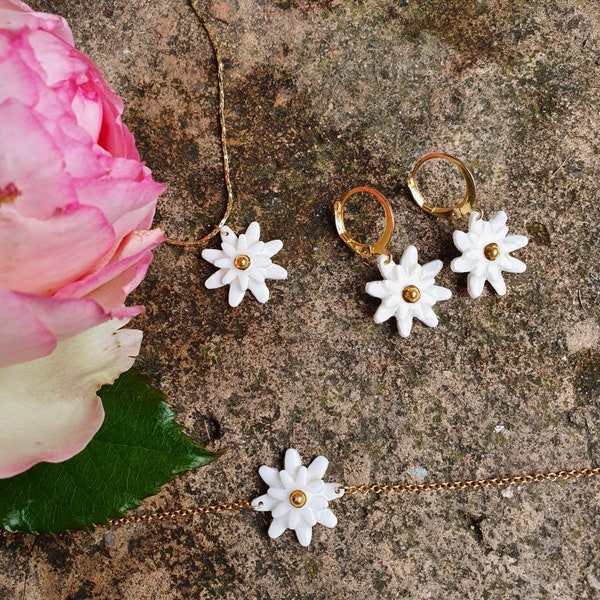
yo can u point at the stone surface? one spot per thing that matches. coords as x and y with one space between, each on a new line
323 96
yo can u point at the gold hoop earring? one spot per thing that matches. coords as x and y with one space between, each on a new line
407 290
486 245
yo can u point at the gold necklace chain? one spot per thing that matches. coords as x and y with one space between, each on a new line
223 129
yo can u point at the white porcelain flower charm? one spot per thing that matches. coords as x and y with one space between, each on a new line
486 249
244 263
408 290
297 497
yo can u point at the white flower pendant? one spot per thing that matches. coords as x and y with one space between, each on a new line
244 263
297 497
408 290
486 249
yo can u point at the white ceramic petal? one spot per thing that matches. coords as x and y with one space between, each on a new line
271 248
431 269
377 289
314 487
278 526
215 281
270 476
309 517
242 244
256 276
318 502
510 264
50 410
288 480
302 478
386 266
227 236
439 293
461 240
304 534
236 293
404 325
318 467
463 264
294 518
498 221
513 242
410 257
333 491
384 312
259 290
428 317
253 233
275 272
292 461
228 275
497 281
475 283
279 493
327 518
281 510
225 262
210 255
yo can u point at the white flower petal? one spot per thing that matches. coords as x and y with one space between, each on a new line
302 478
242 244
50 410
275 272
439 293
428 317
318 502
333 491
228 275
461 240
215 281
292 461
409 258
513 242
475 283
386 266
377 289
498 221
293 518
510 264
309 517
281 510
431 269
270 476
288 479
384 312
463 264
278 526
256 276
279 493
314 487
327 518
211 256
404 326
318 467
304 534
271 248
236 293
253 233
496 281
259 290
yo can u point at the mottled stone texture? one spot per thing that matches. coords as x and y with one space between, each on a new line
323 96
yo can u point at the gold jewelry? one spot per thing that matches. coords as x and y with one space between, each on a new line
486 246
407 290
244 262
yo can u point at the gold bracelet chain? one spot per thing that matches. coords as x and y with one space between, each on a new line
363 489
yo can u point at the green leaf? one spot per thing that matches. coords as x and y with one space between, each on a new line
138 448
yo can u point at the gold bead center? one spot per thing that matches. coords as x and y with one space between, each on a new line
242 262
297 498
411 294
492 251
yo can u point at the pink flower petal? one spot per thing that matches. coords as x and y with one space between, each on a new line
40 257
31 325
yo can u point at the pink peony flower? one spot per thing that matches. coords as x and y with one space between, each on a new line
76 205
